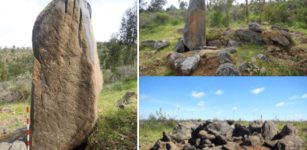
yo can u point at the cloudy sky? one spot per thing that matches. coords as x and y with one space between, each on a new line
18 16
284 98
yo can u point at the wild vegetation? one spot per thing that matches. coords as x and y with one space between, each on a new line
223 17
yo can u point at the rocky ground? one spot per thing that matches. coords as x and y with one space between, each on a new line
278 51
230 135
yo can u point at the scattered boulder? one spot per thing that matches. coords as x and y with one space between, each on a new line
224 57
67 78
231 50
290 142
157 45
232 43
216 43
212 135
227 69
5 146
255 127
278 37
126 99
18 145
254 27
262 57
269 130
180 47
183 131
248 36
190 64
194 31
286 130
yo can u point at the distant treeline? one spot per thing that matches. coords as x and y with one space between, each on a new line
222 13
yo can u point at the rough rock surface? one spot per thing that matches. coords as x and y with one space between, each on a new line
248 36
66 76
227 69
160 44
224 135
194 31
269 130
254 27
190 64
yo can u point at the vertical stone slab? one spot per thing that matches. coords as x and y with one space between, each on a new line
194 31
67 78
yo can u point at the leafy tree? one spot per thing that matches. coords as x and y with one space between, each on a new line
156 5
142 5
182 4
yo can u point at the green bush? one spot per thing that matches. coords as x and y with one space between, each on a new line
161 18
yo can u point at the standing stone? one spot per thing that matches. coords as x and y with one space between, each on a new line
194 31
66 76
269 130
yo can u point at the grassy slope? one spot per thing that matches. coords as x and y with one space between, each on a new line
154 63
151 131
116 128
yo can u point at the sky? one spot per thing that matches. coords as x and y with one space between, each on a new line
247 98
18 17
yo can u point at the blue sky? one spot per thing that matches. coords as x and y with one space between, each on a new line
18 17
248 98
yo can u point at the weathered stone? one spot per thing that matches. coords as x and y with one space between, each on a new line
255 127
248 36
205 134
254 27
190 64
231 146
275 37
18 145
189 147
227 69
148 43
194 31
269 130
5 146
224 57
231 50
182 131
160 145
290 142
216 43
262 57
253 140
286 130
165 137
240 131
160 44
232 43
66 76
180 47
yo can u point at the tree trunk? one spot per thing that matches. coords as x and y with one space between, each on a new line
247 13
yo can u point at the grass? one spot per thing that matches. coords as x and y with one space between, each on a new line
151 131
13 115
116 128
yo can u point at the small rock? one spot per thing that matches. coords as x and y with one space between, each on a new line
190 64
231 50
18 145
5 146
205 134
262 57
161 44
227 69
253 140
232 43
216 43
224 57
254 27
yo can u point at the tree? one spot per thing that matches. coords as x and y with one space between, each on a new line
142 5
128 34
246 11
182 4
156 5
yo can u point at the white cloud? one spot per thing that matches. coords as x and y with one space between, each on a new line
196 94
201 104
219 92
234 108
304 96
257 90
280 104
